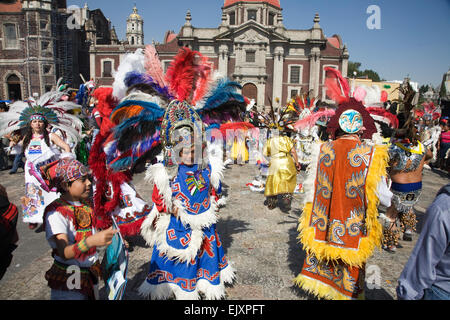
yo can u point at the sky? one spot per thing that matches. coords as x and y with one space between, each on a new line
412 37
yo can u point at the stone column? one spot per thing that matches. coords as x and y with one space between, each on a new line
344 58
278 63
314 76
223 60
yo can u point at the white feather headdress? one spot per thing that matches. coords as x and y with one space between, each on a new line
51 107
132 62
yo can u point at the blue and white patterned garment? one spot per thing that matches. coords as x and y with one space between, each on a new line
188 257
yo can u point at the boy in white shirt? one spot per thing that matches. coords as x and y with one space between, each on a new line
70 230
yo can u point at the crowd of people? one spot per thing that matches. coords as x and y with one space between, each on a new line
81 151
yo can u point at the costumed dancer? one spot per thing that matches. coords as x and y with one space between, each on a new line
432 130
444 144
407 159
339 227
39 146
72 232
125 143
283 165
308 128
188 256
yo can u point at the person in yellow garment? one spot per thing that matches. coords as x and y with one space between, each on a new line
283 168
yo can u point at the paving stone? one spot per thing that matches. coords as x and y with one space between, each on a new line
262 244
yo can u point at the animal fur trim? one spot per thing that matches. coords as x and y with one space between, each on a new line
320 289
166 291
215 155
157 174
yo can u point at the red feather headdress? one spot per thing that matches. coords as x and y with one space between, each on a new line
189 76
105 105
379 113
338 90
337 86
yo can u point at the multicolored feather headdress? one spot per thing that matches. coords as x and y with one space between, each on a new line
37 113
222 103
350 114
50 107
180 114
189 76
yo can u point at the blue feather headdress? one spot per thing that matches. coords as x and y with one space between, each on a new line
37 113
223 103
136 133
135 78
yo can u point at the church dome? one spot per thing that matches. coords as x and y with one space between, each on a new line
275 3
135 15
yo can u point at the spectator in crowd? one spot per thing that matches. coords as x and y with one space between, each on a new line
15 151
444 143
8 231
3 143
427 273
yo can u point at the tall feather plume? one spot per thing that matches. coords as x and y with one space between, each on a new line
131 108
135 121
144 82
379 113
153 66
203 78
188 76
224 90
132 62
337 86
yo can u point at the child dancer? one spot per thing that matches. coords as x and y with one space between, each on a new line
70 231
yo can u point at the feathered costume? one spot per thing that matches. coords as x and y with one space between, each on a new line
53 110
282 172
339 228
307 125
123 140
188 256
407 155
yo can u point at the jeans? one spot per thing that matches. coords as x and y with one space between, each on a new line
443 149
18 163
3 158
435 293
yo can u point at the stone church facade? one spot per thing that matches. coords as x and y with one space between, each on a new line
37 48
252 46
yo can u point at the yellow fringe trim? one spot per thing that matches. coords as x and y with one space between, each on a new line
326 252
322 290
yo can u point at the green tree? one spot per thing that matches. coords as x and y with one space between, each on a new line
423 89
352 67
355 67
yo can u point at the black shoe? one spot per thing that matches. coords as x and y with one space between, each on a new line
407 237
12 172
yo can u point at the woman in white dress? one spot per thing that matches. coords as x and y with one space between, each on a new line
40 146
39 150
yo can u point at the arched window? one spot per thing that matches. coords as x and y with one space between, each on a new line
250 91
14 87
